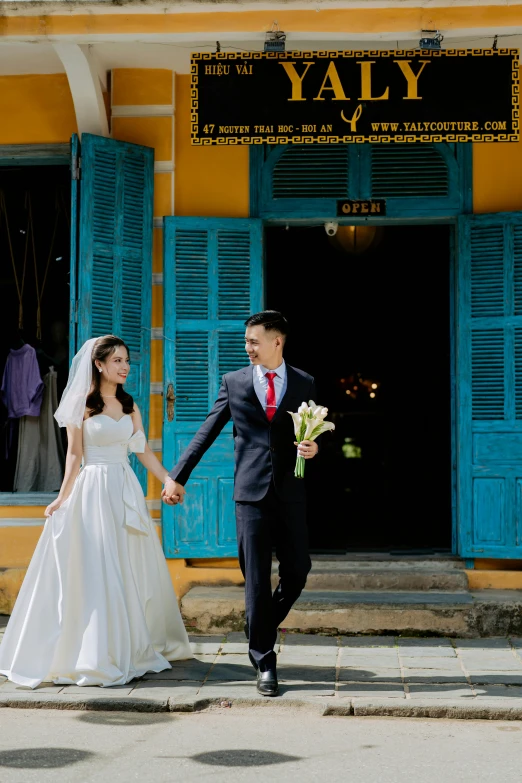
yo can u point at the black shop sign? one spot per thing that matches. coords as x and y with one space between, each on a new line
339 97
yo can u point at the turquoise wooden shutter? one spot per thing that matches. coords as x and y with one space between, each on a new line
213 280
305 172
115 255
306 181
489 386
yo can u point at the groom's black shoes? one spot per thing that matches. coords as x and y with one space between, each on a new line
267 684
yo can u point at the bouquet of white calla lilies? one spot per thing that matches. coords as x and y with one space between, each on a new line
309 423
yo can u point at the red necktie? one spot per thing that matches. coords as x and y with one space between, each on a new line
271 406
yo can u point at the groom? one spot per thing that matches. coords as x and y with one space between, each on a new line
270 501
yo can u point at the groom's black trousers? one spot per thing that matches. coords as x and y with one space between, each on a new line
262 526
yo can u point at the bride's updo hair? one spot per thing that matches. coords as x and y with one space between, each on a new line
103 349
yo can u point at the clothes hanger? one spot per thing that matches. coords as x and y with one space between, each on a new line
16 341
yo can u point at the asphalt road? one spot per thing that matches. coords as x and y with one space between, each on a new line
246 744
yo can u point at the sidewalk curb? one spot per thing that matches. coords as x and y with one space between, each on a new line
92 703
492 709
438 708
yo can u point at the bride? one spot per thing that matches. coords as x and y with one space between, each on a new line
97 606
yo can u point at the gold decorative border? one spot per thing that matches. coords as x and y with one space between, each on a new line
232 140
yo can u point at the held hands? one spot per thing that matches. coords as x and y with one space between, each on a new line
307 448
173 493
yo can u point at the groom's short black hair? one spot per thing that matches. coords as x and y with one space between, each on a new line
272 320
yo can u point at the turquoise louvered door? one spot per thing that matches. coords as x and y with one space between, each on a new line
489 386
213 280
115 255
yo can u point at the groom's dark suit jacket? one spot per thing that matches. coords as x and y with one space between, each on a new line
264 451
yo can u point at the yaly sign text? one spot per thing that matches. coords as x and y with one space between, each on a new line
334 97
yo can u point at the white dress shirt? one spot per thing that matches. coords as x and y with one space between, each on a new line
261 383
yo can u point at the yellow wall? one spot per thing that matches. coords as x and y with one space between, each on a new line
497 177
141 87
36 109
17 544
210 181
497 180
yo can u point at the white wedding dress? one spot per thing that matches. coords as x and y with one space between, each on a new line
97 606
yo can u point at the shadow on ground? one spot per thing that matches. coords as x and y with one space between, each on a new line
43 758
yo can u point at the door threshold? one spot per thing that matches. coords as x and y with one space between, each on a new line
407 554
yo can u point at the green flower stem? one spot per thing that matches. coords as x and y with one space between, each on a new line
299 467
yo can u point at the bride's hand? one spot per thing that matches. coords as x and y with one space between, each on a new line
54 506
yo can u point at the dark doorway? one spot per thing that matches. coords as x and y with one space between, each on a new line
34 285
370 319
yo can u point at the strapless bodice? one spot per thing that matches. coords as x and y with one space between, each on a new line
107 441
102 430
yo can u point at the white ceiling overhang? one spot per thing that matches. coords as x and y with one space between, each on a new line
39 57
27 47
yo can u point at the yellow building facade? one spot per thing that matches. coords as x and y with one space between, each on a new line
138 60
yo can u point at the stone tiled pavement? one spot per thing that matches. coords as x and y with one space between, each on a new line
383 675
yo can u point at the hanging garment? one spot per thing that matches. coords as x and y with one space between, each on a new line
22 387
28 461
52 459
97 606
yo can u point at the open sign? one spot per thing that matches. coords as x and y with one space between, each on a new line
361 208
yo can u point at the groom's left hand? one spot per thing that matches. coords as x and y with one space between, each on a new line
173 493
307 448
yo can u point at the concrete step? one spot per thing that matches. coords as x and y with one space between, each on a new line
450 613
384 574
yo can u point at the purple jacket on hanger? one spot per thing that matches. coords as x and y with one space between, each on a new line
22 386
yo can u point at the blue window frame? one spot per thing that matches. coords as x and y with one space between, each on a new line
306 181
